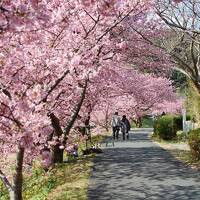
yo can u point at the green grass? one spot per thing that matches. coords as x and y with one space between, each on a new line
185 156
67 181
3 192
182 155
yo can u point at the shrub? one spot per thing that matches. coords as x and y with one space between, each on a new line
165 128
155 126
178 120
194 143
181 136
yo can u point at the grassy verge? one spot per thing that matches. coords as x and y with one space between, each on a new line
178 149
67 181
186 157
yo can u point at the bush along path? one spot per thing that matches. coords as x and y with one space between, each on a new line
139 169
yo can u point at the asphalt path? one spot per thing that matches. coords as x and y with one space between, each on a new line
139 169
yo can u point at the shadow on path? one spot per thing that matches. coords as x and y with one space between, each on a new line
138 169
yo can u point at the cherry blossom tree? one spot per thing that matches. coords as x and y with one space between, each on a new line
172 27
49 52
136 95
135 49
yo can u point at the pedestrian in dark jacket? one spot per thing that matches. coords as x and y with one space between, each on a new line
126 127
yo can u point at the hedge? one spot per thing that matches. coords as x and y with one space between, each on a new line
194 143
165 128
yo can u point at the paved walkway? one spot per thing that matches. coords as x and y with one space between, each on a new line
139 169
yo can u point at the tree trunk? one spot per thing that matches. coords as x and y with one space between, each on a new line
18 177
139 122
15 191
107 120
57 153
76 112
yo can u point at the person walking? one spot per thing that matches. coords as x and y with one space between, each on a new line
123 129
116 124
126 126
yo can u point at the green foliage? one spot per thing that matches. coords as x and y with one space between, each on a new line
3 192
97 138
193 103
73 177
165 128
65 181
178 120
155 126
181 136
147 122
38 185
194 143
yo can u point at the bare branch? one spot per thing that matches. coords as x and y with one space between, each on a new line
57 82
6 181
